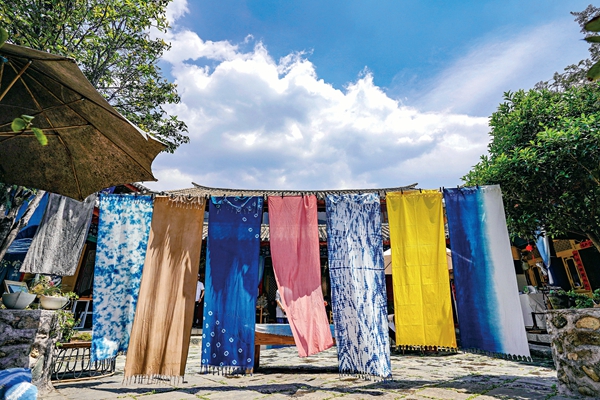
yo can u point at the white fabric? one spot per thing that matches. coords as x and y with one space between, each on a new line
199 289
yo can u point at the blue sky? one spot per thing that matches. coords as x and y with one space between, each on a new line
347 94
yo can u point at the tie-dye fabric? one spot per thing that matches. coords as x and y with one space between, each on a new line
123 229
232 257
57 245
358 293
487 297
294 235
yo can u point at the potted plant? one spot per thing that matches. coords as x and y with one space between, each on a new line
51 295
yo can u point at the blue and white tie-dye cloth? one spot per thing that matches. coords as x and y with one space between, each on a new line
231 283
487 295
123 229
358 293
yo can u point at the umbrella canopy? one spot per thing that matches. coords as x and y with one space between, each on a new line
90 145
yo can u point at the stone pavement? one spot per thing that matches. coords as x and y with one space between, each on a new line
284 375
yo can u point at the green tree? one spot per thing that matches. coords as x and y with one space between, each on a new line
576 74
112 43
544 155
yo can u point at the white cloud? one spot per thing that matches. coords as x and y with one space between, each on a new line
176 9
260 123
474 84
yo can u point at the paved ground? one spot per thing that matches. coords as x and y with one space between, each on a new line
284 375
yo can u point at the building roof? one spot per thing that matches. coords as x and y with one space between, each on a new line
205 191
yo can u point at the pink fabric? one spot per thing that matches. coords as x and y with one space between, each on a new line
294 235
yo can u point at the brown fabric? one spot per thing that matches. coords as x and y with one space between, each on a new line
160 336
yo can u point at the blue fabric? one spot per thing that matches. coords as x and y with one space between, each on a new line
232 258
123 230
356 270
487 300
11 377
21 391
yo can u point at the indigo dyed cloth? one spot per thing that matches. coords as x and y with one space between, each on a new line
487 296
356 270
123 228
294 240
160 338
232 257
57 245
422 302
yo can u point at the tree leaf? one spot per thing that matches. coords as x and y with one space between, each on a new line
593 25
594 72
18 125
592 39
3 36
27 118
40 136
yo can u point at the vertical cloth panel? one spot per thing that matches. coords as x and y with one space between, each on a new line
294 237
160 337
123 229
58 243
486 286
231 283
357 276
422 302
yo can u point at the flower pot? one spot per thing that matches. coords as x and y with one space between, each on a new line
17 301
53 303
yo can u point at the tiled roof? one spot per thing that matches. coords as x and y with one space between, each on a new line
204 191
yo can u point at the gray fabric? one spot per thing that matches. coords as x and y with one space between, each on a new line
57 246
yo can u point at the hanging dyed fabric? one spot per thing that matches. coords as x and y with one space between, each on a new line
123 228
231 284
358 294
487 296
294 240
160 337
422 302
57 245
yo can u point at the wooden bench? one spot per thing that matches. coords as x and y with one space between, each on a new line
263 338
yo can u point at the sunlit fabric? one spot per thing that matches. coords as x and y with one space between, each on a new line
123 229
422 302
487 296
357 276
294 241
231 284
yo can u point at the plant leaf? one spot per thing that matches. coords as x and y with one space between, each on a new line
594 72
3 36
593 25
592 39
27 118
40 136
18 125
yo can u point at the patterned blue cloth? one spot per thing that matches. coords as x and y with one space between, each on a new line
487 297
231 283
358 293
123 230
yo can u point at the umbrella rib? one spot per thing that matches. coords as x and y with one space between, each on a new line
41 110
10 85
95 127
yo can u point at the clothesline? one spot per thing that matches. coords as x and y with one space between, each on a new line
205 191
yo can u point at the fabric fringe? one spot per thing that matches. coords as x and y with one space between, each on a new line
365 376
409 347
153 379
182 201
512 357
225 370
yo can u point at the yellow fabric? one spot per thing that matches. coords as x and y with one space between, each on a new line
422 304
